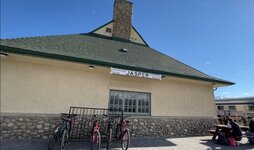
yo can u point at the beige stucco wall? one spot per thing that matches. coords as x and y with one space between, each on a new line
134 35
179 97
36 85
102 30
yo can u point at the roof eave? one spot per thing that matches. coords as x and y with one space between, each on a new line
8 49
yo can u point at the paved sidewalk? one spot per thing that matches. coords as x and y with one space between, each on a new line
190 143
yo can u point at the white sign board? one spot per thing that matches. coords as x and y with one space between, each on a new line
135 73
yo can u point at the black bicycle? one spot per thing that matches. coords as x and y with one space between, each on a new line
62 132
110 121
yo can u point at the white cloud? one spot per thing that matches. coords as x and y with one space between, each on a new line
246 94
225 93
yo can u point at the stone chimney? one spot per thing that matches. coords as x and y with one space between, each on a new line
122 19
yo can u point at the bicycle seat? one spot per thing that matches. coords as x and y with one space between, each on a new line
73 115
64 114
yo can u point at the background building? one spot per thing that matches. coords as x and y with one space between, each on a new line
237 104
241 109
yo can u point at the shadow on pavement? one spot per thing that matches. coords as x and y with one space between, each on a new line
214 146
148 142
17 144
35 144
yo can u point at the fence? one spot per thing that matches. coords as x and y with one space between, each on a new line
82 123
242 117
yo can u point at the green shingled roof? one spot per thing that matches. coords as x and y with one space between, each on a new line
104 51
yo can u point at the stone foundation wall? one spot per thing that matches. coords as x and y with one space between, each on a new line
26 126
171 126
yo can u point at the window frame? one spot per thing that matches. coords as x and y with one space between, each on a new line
220 106
137 101
247 107
232 106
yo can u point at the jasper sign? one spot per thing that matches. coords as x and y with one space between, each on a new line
135 73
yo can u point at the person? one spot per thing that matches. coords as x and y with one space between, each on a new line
234 129
250 132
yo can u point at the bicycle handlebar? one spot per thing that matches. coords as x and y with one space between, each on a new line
66 117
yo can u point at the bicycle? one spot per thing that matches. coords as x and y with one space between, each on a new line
62 132
110 120
122 132
95 134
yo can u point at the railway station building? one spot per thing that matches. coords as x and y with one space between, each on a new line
110 67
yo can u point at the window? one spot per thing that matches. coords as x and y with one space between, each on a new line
109 30
249 108
232 107
131 102
220 107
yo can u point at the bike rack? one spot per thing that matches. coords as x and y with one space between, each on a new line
83 121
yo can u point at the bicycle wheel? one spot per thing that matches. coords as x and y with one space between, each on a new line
109 138
125 140
64 140
96 141
118 132
52 142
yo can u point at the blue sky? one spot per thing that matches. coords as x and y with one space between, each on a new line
213 36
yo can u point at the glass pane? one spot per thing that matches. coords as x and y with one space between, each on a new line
139 102
131 102
232 108
220 107
111 99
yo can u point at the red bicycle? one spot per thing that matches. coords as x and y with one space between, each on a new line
122 132
95 134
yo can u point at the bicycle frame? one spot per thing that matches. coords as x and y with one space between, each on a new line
124 124
62 131
67 122
122 132
96 127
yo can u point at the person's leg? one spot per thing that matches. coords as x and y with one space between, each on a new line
250 136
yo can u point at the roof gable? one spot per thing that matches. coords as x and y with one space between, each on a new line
107 30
